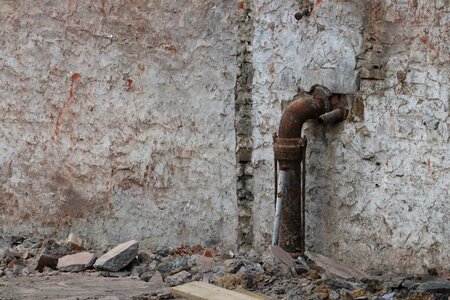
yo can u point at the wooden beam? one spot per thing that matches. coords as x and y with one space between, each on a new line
335 267
198 290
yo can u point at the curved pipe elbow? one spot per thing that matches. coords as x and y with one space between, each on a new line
305 108
289 142
297 113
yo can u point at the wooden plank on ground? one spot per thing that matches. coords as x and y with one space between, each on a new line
282 256
198 290
335 267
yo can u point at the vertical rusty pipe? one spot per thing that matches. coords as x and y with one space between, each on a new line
289 157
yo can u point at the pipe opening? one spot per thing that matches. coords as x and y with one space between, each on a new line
334 116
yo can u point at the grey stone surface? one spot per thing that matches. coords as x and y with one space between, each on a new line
436 286
339 81
377 184
5 241
173 265
146 276
178 278
117 120
118 258
48 255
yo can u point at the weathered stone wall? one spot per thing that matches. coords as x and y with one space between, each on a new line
153 120
378 184
117 120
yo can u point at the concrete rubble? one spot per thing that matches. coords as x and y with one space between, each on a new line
118 257
277 276
76 262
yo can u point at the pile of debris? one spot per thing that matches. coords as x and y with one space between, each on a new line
278 275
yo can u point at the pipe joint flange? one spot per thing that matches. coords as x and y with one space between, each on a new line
288 150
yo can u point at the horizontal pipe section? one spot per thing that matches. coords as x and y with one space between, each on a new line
333 116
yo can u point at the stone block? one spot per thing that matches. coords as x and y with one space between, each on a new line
119 257
76 262
337 81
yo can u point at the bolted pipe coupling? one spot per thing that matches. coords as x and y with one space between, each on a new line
289 145
289 151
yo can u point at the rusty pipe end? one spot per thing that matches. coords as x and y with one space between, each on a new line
334 116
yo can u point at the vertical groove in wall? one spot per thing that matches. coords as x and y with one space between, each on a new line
244 126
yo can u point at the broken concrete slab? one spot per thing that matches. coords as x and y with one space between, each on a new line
119 257
172 265
178 278
43 260
233 265
137 268
146 276
157 279
296 266
48 256
336 268
435 286
204 263
76 262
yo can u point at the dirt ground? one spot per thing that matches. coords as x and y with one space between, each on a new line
81 286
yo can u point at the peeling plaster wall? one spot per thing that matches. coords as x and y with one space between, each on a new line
117 120
378 184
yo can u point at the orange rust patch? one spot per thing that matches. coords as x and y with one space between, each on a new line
424 39
101 9
74 78
129 85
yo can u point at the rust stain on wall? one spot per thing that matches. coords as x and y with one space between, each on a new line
101 9
425 40
58 124
70 203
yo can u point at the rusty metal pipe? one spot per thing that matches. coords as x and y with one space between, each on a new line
305 108
333 116
289 141
289 151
